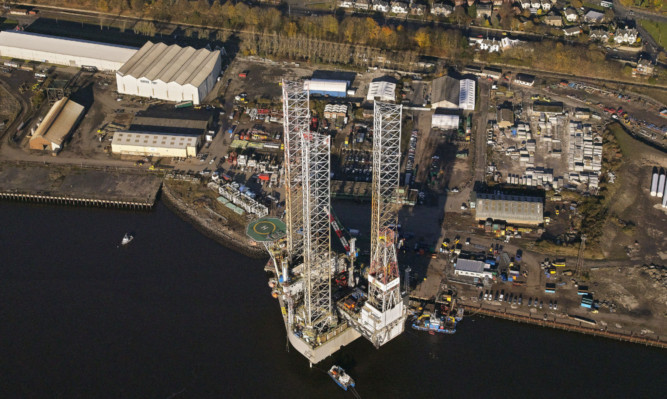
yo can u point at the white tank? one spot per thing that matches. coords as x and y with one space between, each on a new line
664 198
654 184
661 184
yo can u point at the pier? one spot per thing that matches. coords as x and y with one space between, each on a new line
73 186
635 339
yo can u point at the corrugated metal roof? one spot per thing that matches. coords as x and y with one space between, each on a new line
66 46
59 121
153 139
182 65
386 91
469 265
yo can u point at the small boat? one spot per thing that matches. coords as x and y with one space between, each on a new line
341 378
127 239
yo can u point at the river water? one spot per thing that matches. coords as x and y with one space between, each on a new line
175 315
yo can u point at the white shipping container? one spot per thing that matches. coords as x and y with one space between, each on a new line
654 184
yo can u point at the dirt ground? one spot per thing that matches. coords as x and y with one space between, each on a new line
9 108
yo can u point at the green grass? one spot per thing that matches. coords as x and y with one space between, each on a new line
656 29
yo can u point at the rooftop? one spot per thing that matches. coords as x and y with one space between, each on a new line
59 121
161 62
153 139
66 46
470 265
446 89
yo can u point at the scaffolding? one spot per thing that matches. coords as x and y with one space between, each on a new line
296 111
317 231
383 280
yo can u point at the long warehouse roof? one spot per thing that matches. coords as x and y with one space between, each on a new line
59 120
182 65
66 46
153 139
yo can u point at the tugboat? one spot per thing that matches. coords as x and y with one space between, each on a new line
340 376
127 239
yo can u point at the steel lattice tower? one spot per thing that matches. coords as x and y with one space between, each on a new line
384 280
296 117
317 231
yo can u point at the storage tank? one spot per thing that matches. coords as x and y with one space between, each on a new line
661 183
664 198
654 183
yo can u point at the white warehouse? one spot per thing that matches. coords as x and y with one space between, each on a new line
171 73
64 51
467 94
154 144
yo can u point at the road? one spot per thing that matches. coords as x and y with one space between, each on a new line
480 131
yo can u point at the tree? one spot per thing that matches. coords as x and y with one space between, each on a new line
472 11
423 38
137 5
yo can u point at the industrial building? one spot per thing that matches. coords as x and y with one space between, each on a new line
64 51
171 73
57 125
168 120
467 94
445 119
445 92
154 144
381 91
326 87
516 209
471 268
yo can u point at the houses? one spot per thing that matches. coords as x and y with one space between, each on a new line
626 36
380 6
545 5
490 45
345 3
525 4
553 20
484 10
593 17
599 34
507 43
399 7
363 4
571 15
536 4
572 31
644 67
441 9
417 9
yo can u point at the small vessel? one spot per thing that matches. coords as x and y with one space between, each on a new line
341 377
127 239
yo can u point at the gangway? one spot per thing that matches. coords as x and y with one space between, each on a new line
337 226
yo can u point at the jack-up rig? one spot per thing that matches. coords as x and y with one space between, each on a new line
300 248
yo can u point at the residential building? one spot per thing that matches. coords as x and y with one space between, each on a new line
417 9
484 10
545 5
571 14
381 6
645 67
345 3
525 4
553 20
572 31
363 4
593 17
626 36
399 7
599 34
441 9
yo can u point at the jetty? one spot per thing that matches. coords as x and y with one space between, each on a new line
79 186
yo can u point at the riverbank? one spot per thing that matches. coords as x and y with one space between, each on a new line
567 324
214 229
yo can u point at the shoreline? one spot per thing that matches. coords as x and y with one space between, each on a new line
223 236
559 325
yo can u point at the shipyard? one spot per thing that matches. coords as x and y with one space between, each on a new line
412 196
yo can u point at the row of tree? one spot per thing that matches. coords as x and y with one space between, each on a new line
361 41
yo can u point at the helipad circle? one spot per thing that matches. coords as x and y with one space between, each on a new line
264 227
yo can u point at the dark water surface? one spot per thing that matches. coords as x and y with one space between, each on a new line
174 314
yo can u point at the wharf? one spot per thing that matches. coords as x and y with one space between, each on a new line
69 185
472 310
